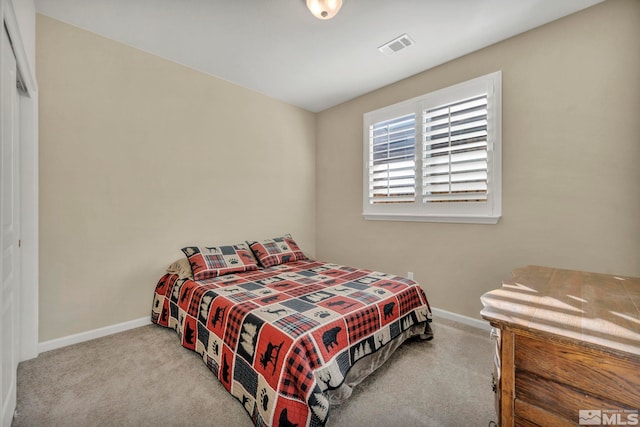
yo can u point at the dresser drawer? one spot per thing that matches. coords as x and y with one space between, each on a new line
526 415
552 398
597 375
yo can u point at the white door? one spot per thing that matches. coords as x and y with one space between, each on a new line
9 230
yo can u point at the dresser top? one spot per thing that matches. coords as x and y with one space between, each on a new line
600 311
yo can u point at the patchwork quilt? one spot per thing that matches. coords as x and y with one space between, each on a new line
278 338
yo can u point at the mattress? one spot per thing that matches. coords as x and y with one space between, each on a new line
290 340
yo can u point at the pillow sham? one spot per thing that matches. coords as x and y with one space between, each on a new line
278 250
182 268
208 262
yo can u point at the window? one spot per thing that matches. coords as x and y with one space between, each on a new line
436 157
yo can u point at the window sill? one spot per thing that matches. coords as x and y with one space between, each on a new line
461 219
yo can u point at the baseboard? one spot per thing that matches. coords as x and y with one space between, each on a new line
469 321
93 334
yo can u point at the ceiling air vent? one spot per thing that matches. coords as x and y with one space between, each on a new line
396 45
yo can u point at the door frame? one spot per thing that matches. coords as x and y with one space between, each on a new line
28 132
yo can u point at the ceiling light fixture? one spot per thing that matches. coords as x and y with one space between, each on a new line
324 9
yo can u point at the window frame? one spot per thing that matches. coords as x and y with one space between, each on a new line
488 212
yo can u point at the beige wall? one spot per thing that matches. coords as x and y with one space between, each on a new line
571 149
139 157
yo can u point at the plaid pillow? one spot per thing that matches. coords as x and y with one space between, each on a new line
212 261
277 251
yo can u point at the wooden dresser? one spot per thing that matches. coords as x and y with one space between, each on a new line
567 348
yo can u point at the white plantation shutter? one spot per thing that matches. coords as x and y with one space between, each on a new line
454 156
436 157
392 160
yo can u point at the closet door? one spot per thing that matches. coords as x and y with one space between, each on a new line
9 229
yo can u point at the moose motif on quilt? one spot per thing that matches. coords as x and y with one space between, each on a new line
277 338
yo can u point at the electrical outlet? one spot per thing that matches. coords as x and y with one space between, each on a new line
410 275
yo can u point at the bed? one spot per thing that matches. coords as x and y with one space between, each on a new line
286 335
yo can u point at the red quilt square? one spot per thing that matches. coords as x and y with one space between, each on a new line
290 412
185 295
218 315
271 351
284 285
331 339
341 304
390 285
388 310
409 300
304 290
225 372
363 323
166 282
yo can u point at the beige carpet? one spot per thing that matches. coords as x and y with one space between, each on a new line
143 377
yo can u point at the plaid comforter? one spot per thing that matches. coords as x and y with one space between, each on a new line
277 338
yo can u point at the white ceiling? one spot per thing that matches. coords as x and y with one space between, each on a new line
278 48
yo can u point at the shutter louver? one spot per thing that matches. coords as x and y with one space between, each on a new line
454 156
392 162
